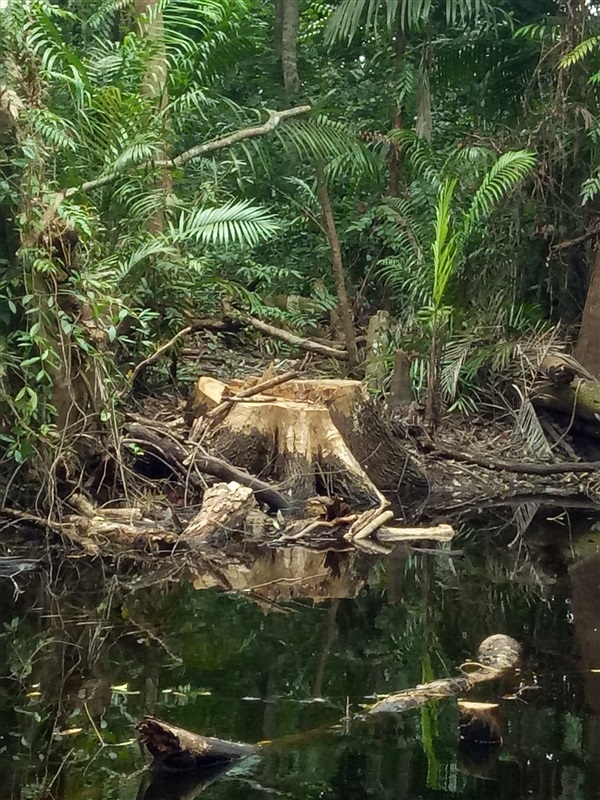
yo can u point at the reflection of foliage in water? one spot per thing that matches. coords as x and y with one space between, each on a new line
216 663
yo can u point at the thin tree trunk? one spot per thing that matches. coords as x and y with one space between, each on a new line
289 46
278 29
395 164
432 399
338 268
587 350
154 87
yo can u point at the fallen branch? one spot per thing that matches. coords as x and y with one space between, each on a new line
199 151
518 466
293 339
154 358
180 459
258 388
578 240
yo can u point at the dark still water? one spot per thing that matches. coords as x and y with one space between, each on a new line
285 646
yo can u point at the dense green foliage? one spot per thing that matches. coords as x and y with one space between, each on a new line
458 140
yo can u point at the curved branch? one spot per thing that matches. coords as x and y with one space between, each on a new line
199 151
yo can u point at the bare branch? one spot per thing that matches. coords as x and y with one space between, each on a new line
275 117
199 151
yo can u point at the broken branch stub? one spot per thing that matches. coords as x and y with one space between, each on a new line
177 750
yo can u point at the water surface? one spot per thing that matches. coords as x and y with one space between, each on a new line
285 646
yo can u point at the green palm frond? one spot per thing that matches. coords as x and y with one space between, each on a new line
102 19
46 40
232 223
55 130
539 32
445 245
419 155
510 168
412 15
317 139
578 53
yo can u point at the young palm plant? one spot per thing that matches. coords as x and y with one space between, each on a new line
434 237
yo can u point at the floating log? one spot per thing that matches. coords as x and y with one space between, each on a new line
178 750
436 533
224 508
497 655
175 749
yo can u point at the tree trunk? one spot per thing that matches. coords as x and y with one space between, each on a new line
289 45
338 268
378 336
278 29
587 350
395 164
154 88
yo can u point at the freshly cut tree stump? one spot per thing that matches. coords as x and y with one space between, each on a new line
293 440
175 749
308 437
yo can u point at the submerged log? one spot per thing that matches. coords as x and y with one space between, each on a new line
178 750
497 655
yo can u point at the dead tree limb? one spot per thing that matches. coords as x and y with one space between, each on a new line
199 151
178 750
293 339
521 467
496 656
152 359
176 455
258 388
